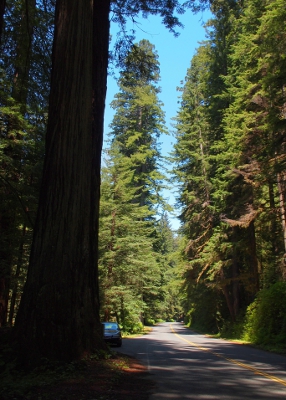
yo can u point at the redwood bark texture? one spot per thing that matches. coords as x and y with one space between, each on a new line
59 312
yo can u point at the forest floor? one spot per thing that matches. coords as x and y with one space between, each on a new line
112 377
118 378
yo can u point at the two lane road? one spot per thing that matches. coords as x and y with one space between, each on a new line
187 365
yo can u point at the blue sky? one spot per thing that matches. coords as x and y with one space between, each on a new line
175 55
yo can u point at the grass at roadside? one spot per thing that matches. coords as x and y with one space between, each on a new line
145 331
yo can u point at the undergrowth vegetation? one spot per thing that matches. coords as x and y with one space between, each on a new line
263 324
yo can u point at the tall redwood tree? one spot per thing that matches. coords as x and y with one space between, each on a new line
59 311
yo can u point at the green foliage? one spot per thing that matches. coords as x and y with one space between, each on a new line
127 264
233 330
204 311
266 317
134 248
21 162
25 54
133 257
149 322
138 122
230 164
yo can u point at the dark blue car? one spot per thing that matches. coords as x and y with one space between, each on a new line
112 333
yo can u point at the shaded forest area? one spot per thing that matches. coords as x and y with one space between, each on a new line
223 272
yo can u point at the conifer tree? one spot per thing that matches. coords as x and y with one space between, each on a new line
212 242
254 130
136 127
243 106
139 120
128 268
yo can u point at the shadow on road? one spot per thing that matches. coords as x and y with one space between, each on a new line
187 365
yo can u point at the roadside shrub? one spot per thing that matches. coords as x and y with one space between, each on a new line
266 317
137 328
132 326
233 330
149 322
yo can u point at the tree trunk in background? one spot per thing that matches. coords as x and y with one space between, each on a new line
15 278
6 258
273 220
254 264
59 312
24 53
229 303
2 11
281 191
235 281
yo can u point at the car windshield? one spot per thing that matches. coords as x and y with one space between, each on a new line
111 326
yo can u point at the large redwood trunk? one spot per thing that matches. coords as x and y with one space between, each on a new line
59 312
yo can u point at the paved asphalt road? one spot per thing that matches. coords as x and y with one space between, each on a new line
187 365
